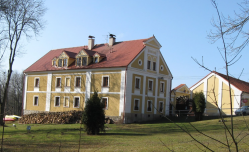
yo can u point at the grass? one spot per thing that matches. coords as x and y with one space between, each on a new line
152 136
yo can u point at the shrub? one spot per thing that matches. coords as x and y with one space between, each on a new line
93 116
199 105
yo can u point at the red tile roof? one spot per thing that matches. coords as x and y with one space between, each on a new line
178 87
119 55
239 84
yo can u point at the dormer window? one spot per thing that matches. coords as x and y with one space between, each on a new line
96 60
60 63
65 62
78 61
84 61
54 62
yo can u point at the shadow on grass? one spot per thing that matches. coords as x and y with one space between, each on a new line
124 134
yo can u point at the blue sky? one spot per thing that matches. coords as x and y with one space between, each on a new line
180 26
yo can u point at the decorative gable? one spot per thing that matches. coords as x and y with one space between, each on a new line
153 43
81 53
63 55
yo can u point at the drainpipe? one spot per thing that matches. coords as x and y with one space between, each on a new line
23 90
124 95
169 96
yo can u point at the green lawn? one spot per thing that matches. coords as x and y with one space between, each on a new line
154 136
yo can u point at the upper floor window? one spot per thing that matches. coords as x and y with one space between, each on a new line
58 82
37 82
64 62
76 103
77 81
161 86
136 104
105 81
150 85
57 102
154 66
67 82
84 61
137 83
148 65
35 100
105 102
60 63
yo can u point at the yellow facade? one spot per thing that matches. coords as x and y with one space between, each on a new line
139 62
152 106
212 94
114 81
42 83
200 88
153 85
225 107
162 67
41 101
133 103
113 104
165 87
134 83
158 105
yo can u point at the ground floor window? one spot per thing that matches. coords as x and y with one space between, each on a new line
105 101
161 106
76 103
149 105
136 104
57 102
35 100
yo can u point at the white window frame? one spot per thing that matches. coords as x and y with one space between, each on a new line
148 105
82 61
61 63
95 59
34 100
107 102
139 82
135 104
149 85
64 63
66 81
38 82
162 91
159 106
59 101
140 62
74 101
65 101
103 80
56 82
75 82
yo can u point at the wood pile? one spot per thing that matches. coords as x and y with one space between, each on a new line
68 117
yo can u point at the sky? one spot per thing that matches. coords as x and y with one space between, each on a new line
181 27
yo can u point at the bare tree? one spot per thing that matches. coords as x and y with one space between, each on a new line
20 18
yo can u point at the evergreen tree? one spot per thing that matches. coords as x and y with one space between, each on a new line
93 116
199 105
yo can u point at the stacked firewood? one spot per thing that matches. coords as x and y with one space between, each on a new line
68 117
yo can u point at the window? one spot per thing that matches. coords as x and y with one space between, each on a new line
154 66
137 85
76 103
67 82
77 82
84 61
161 87
78 61
149 105
64 62
161 106
95 60
105 101
35 100
60 63
36 82
105 81
66 102
54 63
58 82
136 104
148 65
57 102
150 85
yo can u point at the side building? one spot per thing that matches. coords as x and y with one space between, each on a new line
131 77
216 91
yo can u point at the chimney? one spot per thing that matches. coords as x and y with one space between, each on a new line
90 42
112 39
